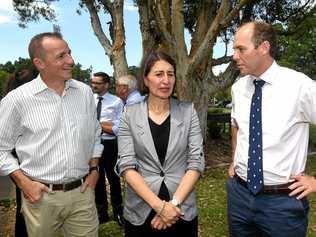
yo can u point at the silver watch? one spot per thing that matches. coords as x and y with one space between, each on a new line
175 202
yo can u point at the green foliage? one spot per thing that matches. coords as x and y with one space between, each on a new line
21 63
223 94
312 137
298 51
81 74
218 111
3 80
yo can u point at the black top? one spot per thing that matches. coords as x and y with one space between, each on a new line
160 134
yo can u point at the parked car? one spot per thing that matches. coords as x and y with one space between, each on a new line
222 103
229 106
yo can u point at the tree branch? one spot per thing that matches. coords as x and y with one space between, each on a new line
223 80
177 26
217 25
97 27
162 19
221 60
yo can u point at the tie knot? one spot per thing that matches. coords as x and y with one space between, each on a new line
259 83
100 98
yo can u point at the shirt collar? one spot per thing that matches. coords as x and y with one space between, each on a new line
269 75
39 85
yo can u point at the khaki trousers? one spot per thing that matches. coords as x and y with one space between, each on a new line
73 213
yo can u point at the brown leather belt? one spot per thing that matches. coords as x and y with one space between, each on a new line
268 189
66 186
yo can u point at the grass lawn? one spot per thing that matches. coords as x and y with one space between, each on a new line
212 206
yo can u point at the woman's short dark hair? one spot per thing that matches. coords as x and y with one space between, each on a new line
149 62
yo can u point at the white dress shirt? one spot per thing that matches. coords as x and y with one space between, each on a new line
54 136
111 110
288 106
134 97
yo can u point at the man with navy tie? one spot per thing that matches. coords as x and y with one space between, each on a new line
109 109
271 112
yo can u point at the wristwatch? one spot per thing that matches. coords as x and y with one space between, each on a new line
92 168
175 202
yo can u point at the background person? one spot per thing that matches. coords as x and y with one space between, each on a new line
126 89
109 109
271 112
51 122
160 156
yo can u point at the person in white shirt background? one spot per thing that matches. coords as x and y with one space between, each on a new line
268 200
126 89
109 111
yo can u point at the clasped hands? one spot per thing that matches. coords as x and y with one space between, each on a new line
168 215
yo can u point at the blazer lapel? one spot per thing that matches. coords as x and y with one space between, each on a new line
144 132
176 127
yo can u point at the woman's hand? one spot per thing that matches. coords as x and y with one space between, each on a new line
170 214
158 223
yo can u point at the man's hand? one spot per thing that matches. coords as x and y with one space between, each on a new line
303 186
90 181
231 170
32 190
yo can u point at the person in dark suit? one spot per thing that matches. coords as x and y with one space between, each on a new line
16 79
160 156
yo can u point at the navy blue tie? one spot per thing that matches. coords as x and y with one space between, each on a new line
255 171
99 106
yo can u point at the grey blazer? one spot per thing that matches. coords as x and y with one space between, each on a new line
136 150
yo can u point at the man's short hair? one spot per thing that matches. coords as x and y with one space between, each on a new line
35 45
265 32
128 80
105 77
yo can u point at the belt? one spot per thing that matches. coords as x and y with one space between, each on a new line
66 186
268 189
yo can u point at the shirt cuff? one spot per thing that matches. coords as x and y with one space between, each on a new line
97 152
115 130
9 165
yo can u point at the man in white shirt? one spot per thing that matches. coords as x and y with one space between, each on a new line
109 112
51 122
271 112
126 89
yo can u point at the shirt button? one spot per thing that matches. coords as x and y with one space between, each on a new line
162 174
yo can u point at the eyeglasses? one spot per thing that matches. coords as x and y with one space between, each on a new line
96 83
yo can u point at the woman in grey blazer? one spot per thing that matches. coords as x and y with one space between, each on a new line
160 156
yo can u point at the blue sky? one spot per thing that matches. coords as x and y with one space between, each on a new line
76 30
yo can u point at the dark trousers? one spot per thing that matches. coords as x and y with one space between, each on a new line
20 228
182 228
264 215
106 164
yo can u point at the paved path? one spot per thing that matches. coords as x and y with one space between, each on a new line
6 187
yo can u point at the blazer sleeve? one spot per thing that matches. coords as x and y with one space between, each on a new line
196 159
126 153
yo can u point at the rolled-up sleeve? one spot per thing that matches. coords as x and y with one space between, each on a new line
126 153
118 113
9 132
307 99
196 160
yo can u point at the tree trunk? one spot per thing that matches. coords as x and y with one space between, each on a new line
118 58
